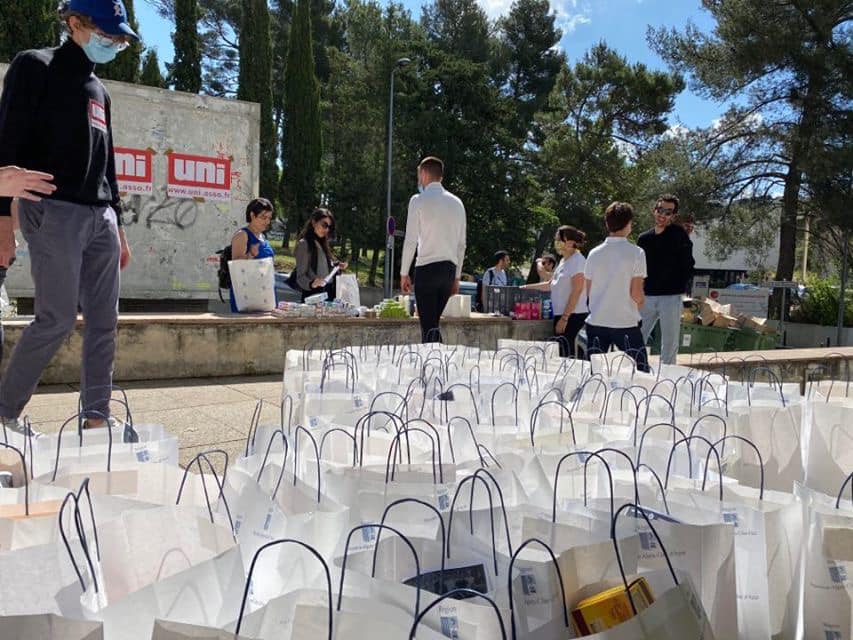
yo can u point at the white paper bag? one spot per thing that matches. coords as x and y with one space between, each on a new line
253 283
51 627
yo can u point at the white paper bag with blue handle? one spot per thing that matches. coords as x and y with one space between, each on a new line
253 282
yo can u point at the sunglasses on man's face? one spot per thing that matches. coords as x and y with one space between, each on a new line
664 212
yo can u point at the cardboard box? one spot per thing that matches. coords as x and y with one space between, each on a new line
610 608
708 311
724 321
757 324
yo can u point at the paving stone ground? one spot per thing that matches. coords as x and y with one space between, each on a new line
208 413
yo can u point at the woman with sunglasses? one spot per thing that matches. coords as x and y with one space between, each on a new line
249 243
314 257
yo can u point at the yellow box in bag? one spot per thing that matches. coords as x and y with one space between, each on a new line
610 608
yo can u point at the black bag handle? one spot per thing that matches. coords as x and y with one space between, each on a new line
404 539
642 512
425 504
274 543
515 555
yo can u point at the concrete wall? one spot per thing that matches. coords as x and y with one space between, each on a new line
815 335
153 346
174 240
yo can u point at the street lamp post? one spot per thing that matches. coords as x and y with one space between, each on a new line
389 242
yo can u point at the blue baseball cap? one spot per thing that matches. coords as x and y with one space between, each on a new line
110 16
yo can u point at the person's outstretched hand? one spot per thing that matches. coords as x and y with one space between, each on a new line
22 183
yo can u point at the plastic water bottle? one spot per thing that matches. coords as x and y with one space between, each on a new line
547 309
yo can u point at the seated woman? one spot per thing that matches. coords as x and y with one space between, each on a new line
314 257
249 242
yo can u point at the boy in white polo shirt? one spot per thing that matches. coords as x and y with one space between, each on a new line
614 274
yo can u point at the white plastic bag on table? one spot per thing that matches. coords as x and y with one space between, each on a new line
253 284
346 289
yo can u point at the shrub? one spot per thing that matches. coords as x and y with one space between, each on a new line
819 305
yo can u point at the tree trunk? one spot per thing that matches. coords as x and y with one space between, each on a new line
374 264
788 226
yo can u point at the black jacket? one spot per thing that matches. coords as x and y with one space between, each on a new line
55 117
669 260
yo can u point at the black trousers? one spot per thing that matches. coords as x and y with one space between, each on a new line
566 339
629 340
433 284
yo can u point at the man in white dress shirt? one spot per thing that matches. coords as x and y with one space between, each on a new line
436 228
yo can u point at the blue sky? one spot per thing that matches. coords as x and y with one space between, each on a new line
621 23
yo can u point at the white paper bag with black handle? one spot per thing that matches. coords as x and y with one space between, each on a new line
48 626
675 614
253 283
827 564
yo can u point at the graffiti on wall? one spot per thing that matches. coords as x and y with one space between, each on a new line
159 209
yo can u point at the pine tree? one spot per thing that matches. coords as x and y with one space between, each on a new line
255 84
27 24
529 38
302 132
787 67
185 70
126 65
151 75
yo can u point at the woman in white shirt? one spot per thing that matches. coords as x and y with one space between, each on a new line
567 287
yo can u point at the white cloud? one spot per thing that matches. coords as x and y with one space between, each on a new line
496 8
570 13
568 23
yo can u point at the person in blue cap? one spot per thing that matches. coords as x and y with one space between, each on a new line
55 118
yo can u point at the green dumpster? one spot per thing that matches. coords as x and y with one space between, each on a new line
696 338
749 340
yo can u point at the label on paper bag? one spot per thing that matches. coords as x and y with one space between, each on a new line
467 577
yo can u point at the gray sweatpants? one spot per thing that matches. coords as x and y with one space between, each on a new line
74 260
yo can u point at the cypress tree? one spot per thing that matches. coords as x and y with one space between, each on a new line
126 65
185 70
150 75
302 133
27 24
255 85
